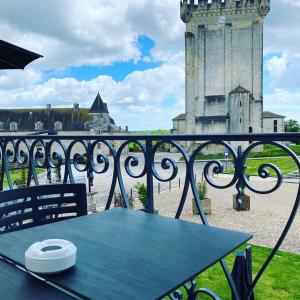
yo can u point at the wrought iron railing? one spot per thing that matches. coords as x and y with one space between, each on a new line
97 154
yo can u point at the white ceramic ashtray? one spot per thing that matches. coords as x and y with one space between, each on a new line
50 256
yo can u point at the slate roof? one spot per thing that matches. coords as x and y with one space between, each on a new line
26 118
240 90
268 114
73 119
98 106
179 117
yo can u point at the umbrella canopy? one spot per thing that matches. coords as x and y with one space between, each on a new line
14 57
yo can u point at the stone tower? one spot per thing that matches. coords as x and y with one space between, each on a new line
224 65
99 120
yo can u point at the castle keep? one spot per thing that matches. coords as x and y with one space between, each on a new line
224 65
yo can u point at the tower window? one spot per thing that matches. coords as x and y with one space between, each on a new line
240 120
275 126
240 103
250 131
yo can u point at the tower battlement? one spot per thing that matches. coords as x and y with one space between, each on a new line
218 7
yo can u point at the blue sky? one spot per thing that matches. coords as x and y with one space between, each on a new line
117 70
132 52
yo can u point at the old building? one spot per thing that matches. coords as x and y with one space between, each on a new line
224 66
272 123
99 119
96 119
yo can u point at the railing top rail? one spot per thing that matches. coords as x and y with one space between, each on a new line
175 137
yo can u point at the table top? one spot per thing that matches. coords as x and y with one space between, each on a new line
15 284
128 254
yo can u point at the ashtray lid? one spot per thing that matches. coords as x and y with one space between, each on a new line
50 250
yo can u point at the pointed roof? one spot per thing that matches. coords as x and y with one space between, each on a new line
240 90
98 106
268 114
180 117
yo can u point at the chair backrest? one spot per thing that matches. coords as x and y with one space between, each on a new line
37 205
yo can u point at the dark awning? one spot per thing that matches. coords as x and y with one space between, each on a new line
14 57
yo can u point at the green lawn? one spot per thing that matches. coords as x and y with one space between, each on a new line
17 174
268 151
285 164
154 132
280 280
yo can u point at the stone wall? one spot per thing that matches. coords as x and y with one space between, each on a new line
179 127
269 125
99 122
224 50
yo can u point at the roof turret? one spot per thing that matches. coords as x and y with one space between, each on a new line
98 106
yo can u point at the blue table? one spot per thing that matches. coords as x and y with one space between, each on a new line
127 254
18 285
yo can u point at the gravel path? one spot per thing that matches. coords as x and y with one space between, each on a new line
265 220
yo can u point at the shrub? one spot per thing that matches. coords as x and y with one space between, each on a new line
142 193
202 189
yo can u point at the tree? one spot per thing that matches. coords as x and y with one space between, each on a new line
291 125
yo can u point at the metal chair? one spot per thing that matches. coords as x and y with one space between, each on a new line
38 205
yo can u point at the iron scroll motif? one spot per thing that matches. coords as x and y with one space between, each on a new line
78 153
193 293
240 179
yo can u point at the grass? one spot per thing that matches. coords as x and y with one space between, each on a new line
16 174
147 132
164 147
279 281
268 151
285 164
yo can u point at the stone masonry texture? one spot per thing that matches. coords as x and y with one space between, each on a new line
224 65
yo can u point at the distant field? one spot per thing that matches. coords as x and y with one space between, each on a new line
146 132
134 148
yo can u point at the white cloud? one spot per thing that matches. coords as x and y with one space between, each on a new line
99 32
283 102
277 65
283 97
137 101
90 32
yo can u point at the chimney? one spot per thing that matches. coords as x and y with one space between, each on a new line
48 109
76 107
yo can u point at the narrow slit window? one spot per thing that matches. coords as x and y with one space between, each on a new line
275 127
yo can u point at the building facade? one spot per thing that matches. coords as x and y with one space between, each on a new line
272 123
95 120
224 65
99 119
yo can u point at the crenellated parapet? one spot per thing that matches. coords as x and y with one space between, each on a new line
222 7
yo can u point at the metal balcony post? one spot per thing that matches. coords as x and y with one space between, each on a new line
149 161
90 175
47 159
